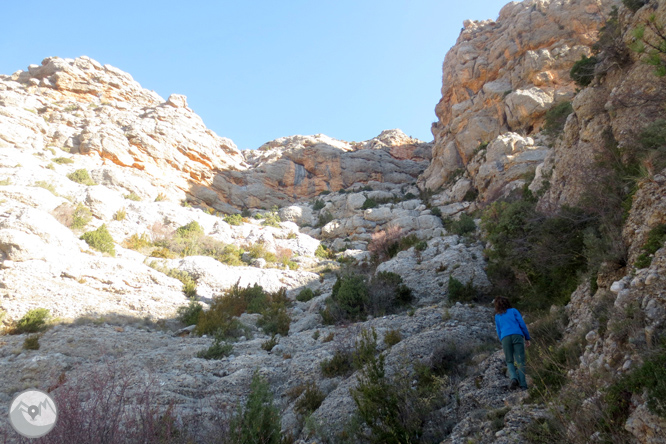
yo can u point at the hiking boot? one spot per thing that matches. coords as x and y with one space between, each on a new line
514 384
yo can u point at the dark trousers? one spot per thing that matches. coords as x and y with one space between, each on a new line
514 350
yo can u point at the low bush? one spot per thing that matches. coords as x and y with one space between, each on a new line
189 231
132 196
354 296
31 342
582 72
323 252
81 216
62 160
318 204
649 379
237 300
365 348
33 321
258 420
305 295
270 343
189 284
459 292
81 176
46 185
101 240
462 226
234 219
121 214
392 409
324 218
655 241
160 197
341 364
634 5
310 400
384 243
217 350
556 117
138 242
271 219
369 203
189 314
392 337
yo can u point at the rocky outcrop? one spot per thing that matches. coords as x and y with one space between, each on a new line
301 167
99 111
498 78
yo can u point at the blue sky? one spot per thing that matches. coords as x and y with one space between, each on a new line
259 70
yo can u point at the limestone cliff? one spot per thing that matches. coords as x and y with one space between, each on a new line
499 80
99 111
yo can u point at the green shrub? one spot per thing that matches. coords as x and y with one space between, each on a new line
392 337
324 253
556 117
46 185
310 400
535 258
233 219
655 240
121 214
81 216
305 295
33 321
189 231
272 220
463 226
392 410
543 430
421 246
190 289
369 203
351 295
258 420
582 71
62 160
459 292
318 204
649 378
275 320
100 240
365 348
81 176
218 350
189 314
31 342
634 5
324 218
160 197
270 343
354 297
324 193
341 364
132 196
137 242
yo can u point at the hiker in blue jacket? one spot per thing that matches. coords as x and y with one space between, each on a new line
513 334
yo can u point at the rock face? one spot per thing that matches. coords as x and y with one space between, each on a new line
301 167
498 79
101 112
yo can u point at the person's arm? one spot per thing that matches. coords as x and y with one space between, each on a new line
497 328
522 325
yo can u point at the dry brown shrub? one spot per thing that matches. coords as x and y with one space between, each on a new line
159 231
382 241
283 254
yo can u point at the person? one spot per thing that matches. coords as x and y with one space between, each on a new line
513 335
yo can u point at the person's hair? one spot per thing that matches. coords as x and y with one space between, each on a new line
502 304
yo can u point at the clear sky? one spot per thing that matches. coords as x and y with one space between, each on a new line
259 70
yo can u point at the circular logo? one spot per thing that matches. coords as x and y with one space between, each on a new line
33 413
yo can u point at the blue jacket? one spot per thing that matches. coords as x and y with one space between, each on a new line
511 323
